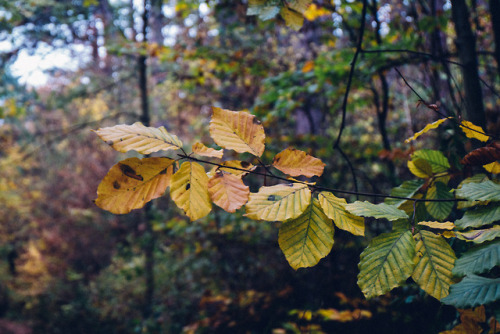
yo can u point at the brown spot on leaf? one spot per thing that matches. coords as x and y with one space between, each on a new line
130 172
245 164
116 185
271 198
188 186
110 142
164 171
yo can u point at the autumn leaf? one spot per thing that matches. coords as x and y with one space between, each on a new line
308 66
138 137
280 202
439 225
132 183
189 190
493 168
292 19
294 163
427 128
483 155
473 131
237 130
228 191
334 208
420 168
201 149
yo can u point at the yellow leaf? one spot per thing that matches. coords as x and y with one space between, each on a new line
473 131
228 191
299 6
280 202
313 12
493 168
420 168
237 130
202 150
138 137
292 19
189 190
308 66
343 219
132 183
448 234
428 127
294 162
438 225
242 167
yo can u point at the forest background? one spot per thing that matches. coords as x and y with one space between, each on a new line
344 81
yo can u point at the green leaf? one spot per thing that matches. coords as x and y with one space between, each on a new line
439 210
435 263
308 238
406 189
484 191
334 208
381 210
436 159
280 202
477 178
481 216
478 260
473 291
480 236
420 168
386 263
269 12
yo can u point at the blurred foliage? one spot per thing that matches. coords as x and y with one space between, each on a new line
68 267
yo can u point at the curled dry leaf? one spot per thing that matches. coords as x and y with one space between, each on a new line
483 155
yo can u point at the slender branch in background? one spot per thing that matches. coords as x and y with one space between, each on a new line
316 187
436 109
348 89
351 73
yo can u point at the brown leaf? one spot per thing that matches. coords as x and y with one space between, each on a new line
483 156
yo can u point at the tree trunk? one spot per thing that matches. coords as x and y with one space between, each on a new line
495 21
148 237
466 46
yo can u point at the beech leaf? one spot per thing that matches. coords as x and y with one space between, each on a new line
138 137
334 208
307 239
189 190
381 210
295 162
133 182
473 131
237 130
428 127
201 149
228 191
435 260
280 202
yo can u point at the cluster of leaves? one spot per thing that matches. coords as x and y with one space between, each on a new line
291 11
416 247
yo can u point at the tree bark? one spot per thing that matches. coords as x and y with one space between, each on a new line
495 21
466 47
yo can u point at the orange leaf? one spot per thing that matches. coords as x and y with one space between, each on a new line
294 162
202 150
228 191
308 66
237 130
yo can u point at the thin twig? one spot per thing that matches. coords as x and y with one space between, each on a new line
316 187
